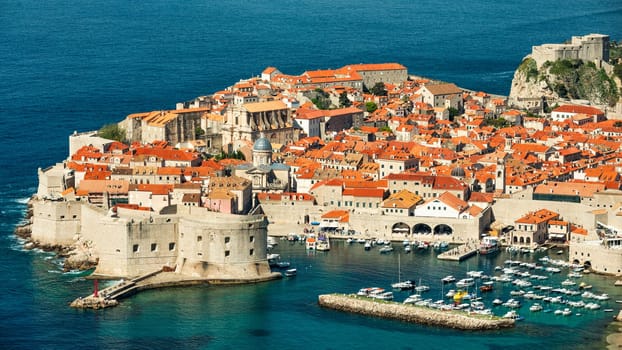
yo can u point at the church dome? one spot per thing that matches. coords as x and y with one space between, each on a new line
262 144
458 172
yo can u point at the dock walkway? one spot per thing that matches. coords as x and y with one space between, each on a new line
459 253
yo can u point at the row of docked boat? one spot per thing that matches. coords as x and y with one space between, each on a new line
375 293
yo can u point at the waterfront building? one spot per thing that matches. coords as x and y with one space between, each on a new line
532 228
603 255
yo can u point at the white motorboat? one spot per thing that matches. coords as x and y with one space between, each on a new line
385 249
568 282
535 307
422 288
290 272
367 245
512 315
412 299
448 279
497 302
465 282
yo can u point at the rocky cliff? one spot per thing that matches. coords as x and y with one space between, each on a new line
563 79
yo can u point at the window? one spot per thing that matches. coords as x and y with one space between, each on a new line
135 248
199 238
251 252
154 247
227 240
227 252
171 246
252 239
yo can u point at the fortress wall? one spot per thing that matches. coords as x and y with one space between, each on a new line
507 210
222 246
603 260
55 222
129 246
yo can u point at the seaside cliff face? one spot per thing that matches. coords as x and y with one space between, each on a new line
563 79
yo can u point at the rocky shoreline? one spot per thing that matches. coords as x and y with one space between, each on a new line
77 257
412 313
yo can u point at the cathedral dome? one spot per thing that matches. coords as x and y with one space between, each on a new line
458 172
262 144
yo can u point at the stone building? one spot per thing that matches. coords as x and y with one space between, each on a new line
592 47
247 121
173 126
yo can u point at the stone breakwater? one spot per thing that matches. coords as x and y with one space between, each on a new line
412 313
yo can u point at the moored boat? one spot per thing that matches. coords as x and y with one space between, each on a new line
290 272
489 245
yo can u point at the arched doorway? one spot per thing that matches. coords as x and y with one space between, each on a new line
400 228
443 229
422 229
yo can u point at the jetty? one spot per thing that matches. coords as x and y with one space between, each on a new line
412 313
459 253
165 277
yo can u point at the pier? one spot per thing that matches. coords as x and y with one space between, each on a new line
412 313
165 277
459 253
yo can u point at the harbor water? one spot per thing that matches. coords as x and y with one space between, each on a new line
69 66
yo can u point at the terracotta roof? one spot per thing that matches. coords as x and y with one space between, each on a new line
264 106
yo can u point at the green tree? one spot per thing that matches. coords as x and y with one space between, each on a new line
112 132
452 112
371 106
379 89
386 128
198 132
344 101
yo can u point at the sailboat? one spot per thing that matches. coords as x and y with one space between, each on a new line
401 285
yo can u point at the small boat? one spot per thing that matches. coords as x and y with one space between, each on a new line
382 296
584 285
489 245
486 288
560 252
349 240
282 264
407 249
361 240
412 299
568 283
403 285
385 249
535 307
465 282
311 242
422 288
497 302
566 312
423 245
290 272
512 315
367 245
619 301
448 279
450 293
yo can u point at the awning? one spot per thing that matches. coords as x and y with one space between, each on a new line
315 223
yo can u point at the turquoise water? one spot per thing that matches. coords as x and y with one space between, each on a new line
76 65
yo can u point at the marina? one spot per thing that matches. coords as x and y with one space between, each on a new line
522 287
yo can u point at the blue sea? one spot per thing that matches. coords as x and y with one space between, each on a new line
75 65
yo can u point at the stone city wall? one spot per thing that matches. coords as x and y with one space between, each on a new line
55 222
